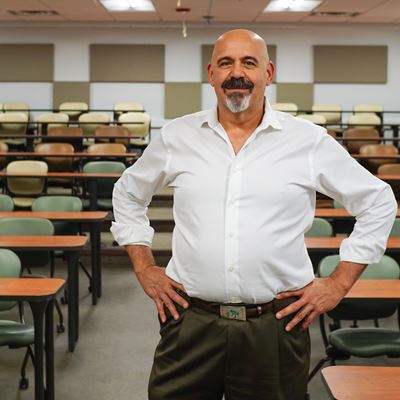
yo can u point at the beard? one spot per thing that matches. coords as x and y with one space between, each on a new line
237 102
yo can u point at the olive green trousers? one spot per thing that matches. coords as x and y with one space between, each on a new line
202 356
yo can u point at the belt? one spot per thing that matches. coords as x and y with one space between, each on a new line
241 311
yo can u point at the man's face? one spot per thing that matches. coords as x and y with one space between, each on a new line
240 71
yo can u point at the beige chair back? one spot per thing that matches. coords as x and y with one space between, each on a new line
121 108
90 121
3 149
73 108
290 108
56 164
377 150
26 186
353 146
392 169
370 108
314 118
331 112
110 131
52 120
107 148
138 125
17 107
364 120
13 123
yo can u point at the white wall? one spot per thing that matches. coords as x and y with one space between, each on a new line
183 61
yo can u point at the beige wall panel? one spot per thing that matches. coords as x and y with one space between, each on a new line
127 63
206 52
182 98
27 62
350 64
70 91
301 94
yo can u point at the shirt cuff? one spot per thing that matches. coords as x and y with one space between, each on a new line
128 234
361 252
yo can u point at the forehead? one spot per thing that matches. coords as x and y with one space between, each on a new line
239 47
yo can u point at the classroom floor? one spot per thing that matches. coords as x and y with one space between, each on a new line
114 354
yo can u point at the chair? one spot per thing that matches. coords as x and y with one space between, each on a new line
12 333
323 228
3 149
353 146
31 259
364 120
373 164
342 343
111 131
66 135
104 186
15 124
290 108
56 164
26 187
337 204
314 118
395 232
6 203
138 125
368 108
73 108
16 107
331 112
106 148
51 120
121 108
91 120
391 169
320 227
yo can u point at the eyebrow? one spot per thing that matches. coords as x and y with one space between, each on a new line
227 58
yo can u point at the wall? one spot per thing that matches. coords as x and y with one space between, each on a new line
183 63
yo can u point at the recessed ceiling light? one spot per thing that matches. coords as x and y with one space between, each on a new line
128 5
291 5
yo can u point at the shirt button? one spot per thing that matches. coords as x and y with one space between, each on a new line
231 234
231 268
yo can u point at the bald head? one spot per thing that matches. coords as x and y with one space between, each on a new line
239 37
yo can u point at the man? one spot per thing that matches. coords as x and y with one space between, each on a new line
239 293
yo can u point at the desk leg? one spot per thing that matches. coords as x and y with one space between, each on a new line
73 303
94 257
93 194
38 309
49 348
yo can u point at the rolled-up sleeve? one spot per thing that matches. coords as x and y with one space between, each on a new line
133 192
370 200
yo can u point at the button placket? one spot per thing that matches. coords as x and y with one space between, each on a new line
232 234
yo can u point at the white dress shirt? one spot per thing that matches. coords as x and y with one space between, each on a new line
240 219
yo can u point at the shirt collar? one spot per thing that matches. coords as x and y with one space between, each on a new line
270 118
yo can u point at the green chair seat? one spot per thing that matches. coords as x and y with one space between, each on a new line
104 204
366 342
15 334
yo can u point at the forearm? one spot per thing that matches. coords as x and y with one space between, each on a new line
141 257
346 274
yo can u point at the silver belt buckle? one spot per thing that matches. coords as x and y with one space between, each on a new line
233 312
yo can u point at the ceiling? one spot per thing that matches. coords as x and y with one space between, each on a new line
221 11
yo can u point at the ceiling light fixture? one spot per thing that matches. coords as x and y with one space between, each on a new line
292 5
183 11
128 5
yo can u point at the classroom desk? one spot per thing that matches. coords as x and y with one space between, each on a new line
331 244
71 245
93 218
77 154
40 293
376 289
372 157
362 382
91 177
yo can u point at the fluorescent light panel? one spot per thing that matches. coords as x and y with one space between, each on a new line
128 5
292 5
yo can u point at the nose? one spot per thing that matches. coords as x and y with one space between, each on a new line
237 70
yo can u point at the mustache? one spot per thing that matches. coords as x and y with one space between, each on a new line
237 83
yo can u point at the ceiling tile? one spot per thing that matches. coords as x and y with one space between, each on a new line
281 17
347 5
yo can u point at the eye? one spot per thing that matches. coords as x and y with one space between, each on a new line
224 63
249 63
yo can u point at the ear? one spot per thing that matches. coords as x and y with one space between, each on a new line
210 74
270 73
